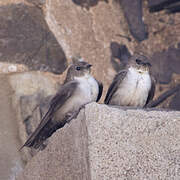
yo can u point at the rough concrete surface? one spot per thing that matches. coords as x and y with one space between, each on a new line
111 143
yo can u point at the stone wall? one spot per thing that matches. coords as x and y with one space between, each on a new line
44 35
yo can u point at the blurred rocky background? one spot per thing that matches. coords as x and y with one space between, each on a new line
39 37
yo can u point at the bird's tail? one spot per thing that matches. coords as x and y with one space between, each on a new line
41 134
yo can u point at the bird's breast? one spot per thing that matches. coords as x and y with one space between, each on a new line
87 88
134 89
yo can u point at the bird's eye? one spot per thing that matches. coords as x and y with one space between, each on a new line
78 68
138 61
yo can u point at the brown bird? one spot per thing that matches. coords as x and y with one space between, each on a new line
79 88
133 86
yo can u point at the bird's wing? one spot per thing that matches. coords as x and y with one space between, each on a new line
152 90
114 85
46 126
100 90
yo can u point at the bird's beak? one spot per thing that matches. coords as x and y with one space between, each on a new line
88 66
146 64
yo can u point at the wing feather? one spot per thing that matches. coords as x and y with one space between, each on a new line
152 90
100 85
46 127
114 85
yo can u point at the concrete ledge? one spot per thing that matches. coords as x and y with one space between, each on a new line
110 143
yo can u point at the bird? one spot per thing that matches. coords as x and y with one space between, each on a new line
132 86
78 89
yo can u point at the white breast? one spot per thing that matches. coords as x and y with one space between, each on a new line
88 87
134 89
86 92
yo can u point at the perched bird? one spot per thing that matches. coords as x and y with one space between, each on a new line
79 88
133 86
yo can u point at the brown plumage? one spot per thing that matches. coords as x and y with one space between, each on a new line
133 86
79 89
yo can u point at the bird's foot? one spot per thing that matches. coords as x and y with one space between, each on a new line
71 115
83 106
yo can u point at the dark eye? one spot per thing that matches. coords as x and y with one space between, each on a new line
78 68
138 61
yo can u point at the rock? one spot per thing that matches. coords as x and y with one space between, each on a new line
28 83
26 39
6 68
11 162
111 143
134 16
120 56
38 3
165 63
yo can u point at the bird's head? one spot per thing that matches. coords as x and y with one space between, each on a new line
140 63
78 68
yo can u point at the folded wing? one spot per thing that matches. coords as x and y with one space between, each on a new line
114 85
47 126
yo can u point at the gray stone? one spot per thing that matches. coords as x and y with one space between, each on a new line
26 39
111 143
134 13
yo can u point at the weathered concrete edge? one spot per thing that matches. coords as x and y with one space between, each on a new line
70 143
77 129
